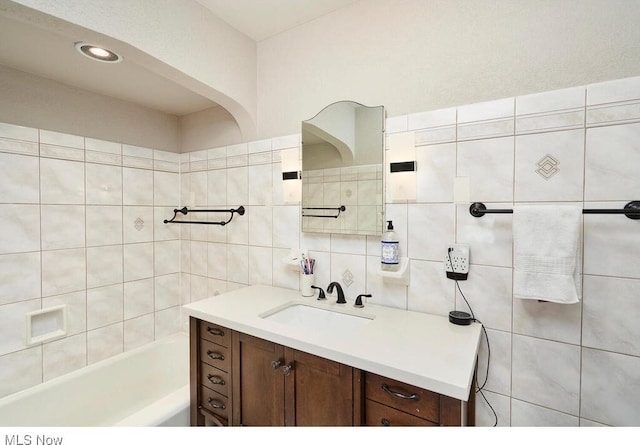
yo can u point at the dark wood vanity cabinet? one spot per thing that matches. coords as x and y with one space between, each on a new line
238 379
279 386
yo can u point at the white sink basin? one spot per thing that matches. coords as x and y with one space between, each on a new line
305 316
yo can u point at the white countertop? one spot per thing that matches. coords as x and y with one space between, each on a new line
419 349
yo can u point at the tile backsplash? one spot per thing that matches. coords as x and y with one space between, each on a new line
86 230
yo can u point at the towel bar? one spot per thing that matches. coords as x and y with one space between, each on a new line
631 210
184 211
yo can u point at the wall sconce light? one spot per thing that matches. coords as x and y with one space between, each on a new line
401 153
291 176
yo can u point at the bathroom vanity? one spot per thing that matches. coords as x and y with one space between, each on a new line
263 355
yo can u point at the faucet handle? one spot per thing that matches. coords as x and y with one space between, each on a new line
321 296
358 302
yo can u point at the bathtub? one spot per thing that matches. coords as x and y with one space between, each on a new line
148 386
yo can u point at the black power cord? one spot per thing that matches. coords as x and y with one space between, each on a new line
486 336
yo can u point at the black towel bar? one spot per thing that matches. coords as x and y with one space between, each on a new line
184 211
337 209
631 210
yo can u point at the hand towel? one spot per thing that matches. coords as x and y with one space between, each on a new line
547 266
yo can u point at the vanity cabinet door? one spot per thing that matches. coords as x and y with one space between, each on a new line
278 386
319 392
258 381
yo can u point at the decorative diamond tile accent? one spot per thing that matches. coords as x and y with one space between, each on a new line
348 192
138 224
347 278
547 167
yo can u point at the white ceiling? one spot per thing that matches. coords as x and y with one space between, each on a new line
34 50
260 19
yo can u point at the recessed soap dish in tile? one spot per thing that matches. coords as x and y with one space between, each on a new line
46 324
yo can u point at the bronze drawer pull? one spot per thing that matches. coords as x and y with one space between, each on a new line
215 331
216 405
385 422
215 355
216 380
399 395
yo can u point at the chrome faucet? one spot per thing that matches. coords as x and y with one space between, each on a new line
335 284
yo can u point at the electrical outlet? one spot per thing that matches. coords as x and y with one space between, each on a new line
456 262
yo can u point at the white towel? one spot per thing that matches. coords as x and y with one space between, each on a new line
546 253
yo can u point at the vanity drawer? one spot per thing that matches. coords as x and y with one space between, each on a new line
214 403
214 379
407 398
215 334
377 414
215 355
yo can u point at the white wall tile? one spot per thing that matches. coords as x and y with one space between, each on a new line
611 157
166 257
546 373
215 261
431 230
104 184
167 322
527 415
138 332
500 404
613 91
260 266
237 186
104 306
608 321
20 370
63 227
217 188
104 225
429 290
260 226
611 243
237 264
166 291
350 271
61 182
286 226
138 261
166 189
488 164
550 166
20 277
20 228
436 169
489 292
12 131
63 271
63 356
63 139
260 184
104 342
550 111
499 361
137 187
607 395
166 231
19 179
13 326
104 265
138 298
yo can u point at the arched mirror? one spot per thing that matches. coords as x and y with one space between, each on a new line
342 175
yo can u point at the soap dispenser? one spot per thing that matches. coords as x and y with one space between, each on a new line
389 258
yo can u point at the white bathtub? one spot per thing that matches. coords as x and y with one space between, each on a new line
148 386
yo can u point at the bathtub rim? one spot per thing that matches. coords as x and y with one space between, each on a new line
176 337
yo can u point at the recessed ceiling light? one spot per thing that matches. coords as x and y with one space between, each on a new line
98 53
